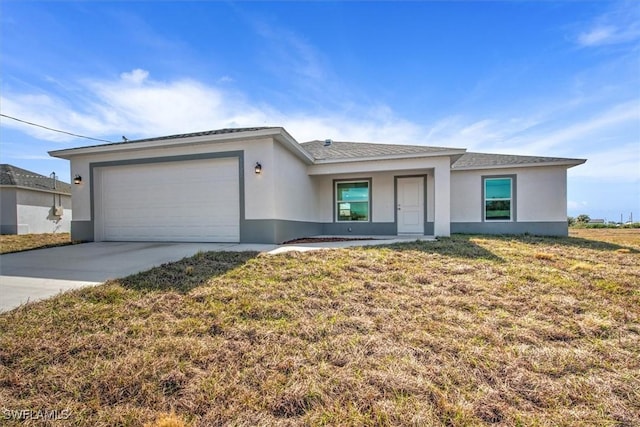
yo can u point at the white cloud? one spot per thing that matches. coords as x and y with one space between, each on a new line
49 111
482 134
137 106
620 25
541 131
287 50
596 36
135 77
581 131
308 71
150 107
346 128
607 35
617 164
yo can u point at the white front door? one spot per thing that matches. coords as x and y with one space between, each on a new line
410 205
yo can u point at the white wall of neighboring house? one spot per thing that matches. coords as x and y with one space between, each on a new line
541 193
34 212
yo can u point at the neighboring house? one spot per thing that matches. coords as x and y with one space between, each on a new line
31 203
261 185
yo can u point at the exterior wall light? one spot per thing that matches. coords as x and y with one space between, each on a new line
77 179
258 168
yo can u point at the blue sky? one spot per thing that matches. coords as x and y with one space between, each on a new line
540 78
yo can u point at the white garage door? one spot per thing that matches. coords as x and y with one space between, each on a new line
186 201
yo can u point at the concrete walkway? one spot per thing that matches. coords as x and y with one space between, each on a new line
38 274
377 240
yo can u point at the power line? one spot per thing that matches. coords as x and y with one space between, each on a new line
54 130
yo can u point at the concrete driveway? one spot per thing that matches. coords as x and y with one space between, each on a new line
42 273
38 274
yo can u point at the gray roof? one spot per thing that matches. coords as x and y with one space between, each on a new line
358 150
183 135
204 133
342 150
12 175
480 160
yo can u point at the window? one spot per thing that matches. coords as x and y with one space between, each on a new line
352 201
498 195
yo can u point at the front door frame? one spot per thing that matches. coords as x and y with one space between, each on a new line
424 200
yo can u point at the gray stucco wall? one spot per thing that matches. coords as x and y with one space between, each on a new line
360 228
546 228
8 215
82 231
276 230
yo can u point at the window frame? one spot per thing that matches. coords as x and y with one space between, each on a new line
336 202
512 199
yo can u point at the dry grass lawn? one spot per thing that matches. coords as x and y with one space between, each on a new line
621 236
465 331
25 242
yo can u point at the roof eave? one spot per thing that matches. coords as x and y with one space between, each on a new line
291 144
452 152
569 163
44 190
164 143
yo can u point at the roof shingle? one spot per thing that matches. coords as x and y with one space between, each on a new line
347 151
357 150
480 160
183 135
12 175
204 133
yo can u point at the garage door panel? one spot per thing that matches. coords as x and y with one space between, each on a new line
174 201
169 233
